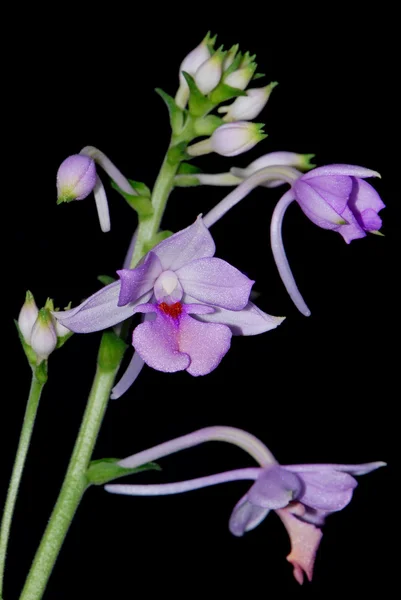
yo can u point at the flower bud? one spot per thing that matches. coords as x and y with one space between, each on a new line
246 108
287 159
191 64
208 75
27 317
235 138
241 77
229 59
76 178
61 330
43 336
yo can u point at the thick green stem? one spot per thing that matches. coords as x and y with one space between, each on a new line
149 226
24 441
74 486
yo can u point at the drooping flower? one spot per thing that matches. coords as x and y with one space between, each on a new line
335 197
77 178
302 495
192 302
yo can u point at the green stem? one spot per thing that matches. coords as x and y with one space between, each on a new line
74 486
24 441
149 226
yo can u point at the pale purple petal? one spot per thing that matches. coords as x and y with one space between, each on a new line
205 343
98 311
130 375
76 177
185 246
157 342
335 190
275 488
138 281
248 321
315 207
361 469
216 282
246 517
348 170
327 490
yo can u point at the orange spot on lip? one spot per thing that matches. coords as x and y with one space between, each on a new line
172 310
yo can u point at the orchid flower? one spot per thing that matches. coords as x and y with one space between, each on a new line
335 197
302 495
192 303
77 178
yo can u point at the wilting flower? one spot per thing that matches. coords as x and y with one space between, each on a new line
302 495
230 139
192 302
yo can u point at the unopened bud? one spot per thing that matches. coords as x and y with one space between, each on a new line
191 64
241 77
230 139
208 75
27 317
43 336
76 178
246 108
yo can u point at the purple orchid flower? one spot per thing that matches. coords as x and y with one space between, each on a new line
302 495
192 303
335 197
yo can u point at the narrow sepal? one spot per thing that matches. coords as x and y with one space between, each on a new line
107 469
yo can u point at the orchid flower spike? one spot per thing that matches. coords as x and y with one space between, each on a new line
77 178
193 303
302 495
335 197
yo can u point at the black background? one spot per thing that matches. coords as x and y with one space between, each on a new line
318 389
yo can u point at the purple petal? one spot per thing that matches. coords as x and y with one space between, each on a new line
138 281
365 203
246 517
248 321
214 281
327 490
275 488
351 230
98 311
157 342
335 190
361 469
185 246
76 177
205 343
132 372
315 207
348 170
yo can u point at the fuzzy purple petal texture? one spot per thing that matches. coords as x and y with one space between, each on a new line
248 321
76 177
99 311
317 208
246 516
139 281
174 343
275 488
185 246
365 203
214 281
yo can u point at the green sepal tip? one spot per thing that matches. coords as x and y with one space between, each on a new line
105 470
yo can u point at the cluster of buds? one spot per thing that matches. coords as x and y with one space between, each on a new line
40 332
209 77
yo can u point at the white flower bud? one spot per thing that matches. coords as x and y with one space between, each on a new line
61 330
235 138
241 77
246 108
208 76
43 336
191 64
27 317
